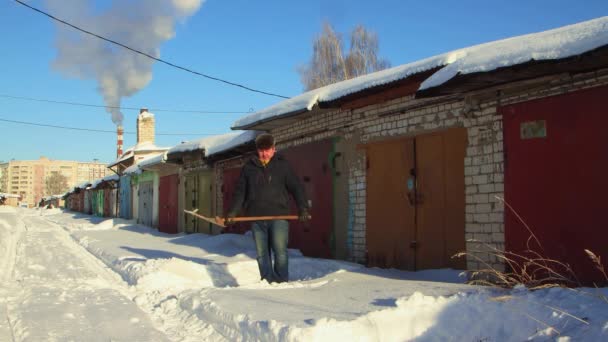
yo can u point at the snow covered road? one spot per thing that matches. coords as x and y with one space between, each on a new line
56 291
72 277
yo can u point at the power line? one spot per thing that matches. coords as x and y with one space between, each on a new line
115 107
147 55
89 129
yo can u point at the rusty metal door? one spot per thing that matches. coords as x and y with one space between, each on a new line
415 201
440 207
312 164
556 157
390 226
167 213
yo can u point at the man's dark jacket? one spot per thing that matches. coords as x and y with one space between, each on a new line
264 190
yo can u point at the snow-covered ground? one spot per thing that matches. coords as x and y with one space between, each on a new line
67 276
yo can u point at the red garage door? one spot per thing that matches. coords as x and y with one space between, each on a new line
556 158
167 211
230 177
311 164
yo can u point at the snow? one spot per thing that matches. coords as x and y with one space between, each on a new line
306 101
154 160
126 155
132 169
215 144
146 115
50 197
148 146
559 43
139 148
553 44
83 185
108 178
69 276
146 161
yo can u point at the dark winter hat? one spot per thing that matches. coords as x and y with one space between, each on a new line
264 141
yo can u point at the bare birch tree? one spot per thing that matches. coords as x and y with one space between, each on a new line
56 184
329 64
363 56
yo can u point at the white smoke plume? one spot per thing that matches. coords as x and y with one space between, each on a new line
140 24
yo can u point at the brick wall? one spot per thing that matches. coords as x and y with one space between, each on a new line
145 128
484 159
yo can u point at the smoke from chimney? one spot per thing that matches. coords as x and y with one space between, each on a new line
142 24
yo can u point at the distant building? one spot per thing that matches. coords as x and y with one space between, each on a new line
27 177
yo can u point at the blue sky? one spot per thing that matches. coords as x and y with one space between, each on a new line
258 44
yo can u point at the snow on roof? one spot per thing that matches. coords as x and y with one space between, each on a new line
2 194
113 177
133 169
553 44
306 101
95 183
126 155
145 146
83 185
147 161
215 144
148 146
47 198
558 43
221 145
156 159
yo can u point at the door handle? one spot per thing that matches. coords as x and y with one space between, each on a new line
411 199
333 162
415 199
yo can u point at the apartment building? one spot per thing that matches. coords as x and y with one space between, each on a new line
27 178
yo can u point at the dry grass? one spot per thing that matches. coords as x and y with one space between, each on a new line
534 272
529 268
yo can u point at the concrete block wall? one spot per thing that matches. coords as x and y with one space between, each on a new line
484 158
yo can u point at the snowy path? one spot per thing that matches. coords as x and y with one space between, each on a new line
73 277
55 291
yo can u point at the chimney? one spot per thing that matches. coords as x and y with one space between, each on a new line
145 126
119 133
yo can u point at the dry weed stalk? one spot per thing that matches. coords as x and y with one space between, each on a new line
598 264
530 268
534 272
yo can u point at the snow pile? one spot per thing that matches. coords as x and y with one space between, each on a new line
11 228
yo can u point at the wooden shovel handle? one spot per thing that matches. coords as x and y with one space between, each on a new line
264 218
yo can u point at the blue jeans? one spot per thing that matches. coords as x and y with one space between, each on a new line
272 236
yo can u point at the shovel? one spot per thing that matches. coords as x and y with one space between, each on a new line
219 221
